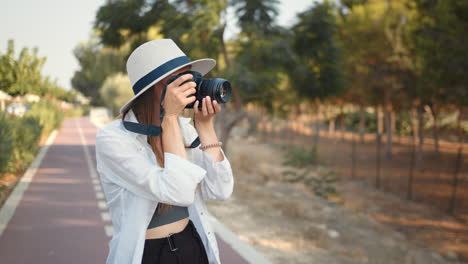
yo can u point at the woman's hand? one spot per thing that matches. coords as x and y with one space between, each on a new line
176 98
204 116
205 127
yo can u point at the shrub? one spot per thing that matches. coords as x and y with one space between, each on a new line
302 159
49 115
6 141
116 91
26 134
74 112
19 136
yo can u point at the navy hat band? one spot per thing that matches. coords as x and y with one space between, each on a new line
158 72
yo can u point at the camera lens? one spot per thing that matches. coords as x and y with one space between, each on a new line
218 89
224 91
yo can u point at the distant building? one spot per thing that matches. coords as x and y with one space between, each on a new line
3 98
32 98
82 99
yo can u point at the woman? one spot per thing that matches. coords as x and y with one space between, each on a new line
154 187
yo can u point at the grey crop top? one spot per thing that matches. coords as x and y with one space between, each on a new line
173 214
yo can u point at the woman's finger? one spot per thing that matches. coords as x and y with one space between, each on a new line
186 86
195 107
189 91
204 111
189 100
181 79
209 106
216 106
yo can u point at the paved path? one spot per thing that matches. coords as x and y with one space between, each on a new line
62 215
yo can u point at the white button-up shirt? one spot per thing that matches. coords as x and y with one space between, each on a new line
134 183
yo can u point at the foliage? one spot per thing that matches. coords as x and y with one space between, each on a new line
256 16
399 54
49 115
26 135
116 91
75 112
22 75
261 53
196 24
323 185
6 141
303 159
318 72
19 137
440 37
272 54
96 64
352 122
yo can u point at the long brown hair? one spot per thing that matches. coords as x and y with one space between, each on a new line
146 109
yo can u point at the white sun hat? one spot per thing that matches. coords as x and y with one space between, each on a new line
156 59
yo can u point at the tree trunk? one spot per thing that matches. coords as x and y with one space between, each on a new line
435 127
459 127
235 92
229 117
252 123
388 108
380 126
388 132
331 126
414 123
342 121
393 126
458 162
378 145
331 119
317 122
362 122
420 113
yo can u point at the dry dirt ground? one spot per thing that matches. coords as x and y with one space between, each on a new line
289 224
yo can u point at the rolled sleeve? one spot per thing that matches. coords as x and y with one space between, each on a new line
123 161
219 181
180 164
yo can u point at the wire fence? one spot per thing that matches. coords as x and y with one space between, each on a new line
438 179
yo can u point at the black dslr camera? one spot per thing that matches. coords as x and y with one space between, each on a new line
218 89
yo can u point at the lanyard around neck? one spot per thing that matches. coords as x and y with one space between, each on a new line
150 130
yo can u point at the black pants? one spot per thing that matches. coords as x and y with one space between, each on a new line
183 247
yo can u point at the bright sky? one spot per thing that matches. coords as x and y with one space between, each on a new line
57 26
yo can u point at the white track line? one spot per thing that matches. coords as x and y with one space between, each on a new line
9 207
102 203
246 251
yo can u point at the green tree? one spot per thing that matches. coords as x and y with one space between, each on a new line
198 26
22 75
116 91
439 38
379 64
256 17
96 64
318 73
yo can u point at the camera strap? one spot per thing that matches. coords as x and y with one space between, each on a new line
150 130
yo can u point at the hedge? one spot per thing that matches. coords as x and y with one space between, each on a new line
50 116
6 141
19 136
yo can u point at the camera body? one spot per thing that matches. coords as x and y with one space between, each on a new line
218 89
